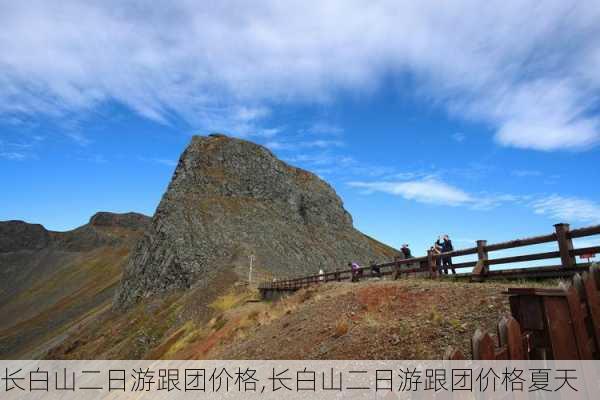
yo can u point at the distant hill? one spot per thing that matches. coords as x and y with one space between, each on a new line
51 280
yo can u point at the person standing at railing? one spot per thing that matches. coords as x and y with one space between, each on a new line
356 271
406 251
321 274
447 260
375 271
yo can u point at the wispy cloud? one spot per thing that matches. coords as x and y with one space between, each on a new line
13 155
157 160
524 173
429 191
459 137
568 209
316 144
224 70
322 159
323 128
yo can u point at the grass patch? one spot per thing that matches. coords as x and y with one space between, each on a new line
341 328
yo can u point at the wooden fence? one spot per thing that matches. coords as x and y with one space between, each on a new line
559 324
480 268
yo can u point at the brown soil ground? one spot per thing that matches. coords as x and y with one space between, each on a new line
412 318
408 319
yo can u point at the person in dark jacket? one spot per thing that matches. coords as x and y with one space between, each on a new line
375 270
447 260
406 251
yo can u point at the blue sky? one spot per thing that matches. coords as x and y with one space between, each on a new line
482 123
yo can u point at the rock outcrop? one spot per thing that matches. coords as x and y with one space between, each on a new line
230 198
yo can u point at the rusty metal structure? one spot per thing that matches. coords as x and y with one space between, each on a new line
480 269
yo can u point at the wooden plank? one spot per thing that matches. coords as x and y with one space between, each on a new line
526 257
531 313
587 231
592 294
483 346
468 264
560 331
582 322
501 353
509 334
586 250
453 354
522 242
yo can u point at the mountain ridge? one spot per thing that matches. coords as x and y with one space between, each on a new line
49 280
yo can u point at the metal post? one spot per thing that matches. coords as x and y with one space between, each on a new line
251 257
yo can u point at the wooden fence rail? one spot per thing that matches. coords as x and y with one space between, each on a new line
480 268
559 324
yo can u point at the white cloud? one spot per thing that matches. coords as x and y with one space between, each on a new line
157 160
425 191
459 137
568 209
431 190
318 144
12 155
324 128
322 159
532 72
525 173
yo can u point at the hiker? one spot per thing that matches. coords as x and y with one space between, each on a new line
321 274
356 271
375 271
406 251
447 260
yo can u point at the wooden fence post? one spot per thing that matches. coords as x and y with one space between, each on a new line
431 264
482 254
509 334
481 267
482 346
565 245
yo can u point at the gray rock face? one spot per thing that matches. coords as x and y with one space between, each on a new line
230 198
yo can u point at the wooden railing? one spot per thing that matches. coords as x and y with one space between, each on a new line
559 324
480 268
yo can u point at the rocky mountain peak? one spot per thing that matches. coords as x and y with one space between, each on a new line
129 220
230 198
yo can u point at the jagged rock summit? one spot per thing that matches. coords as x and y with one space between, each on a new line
230 198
